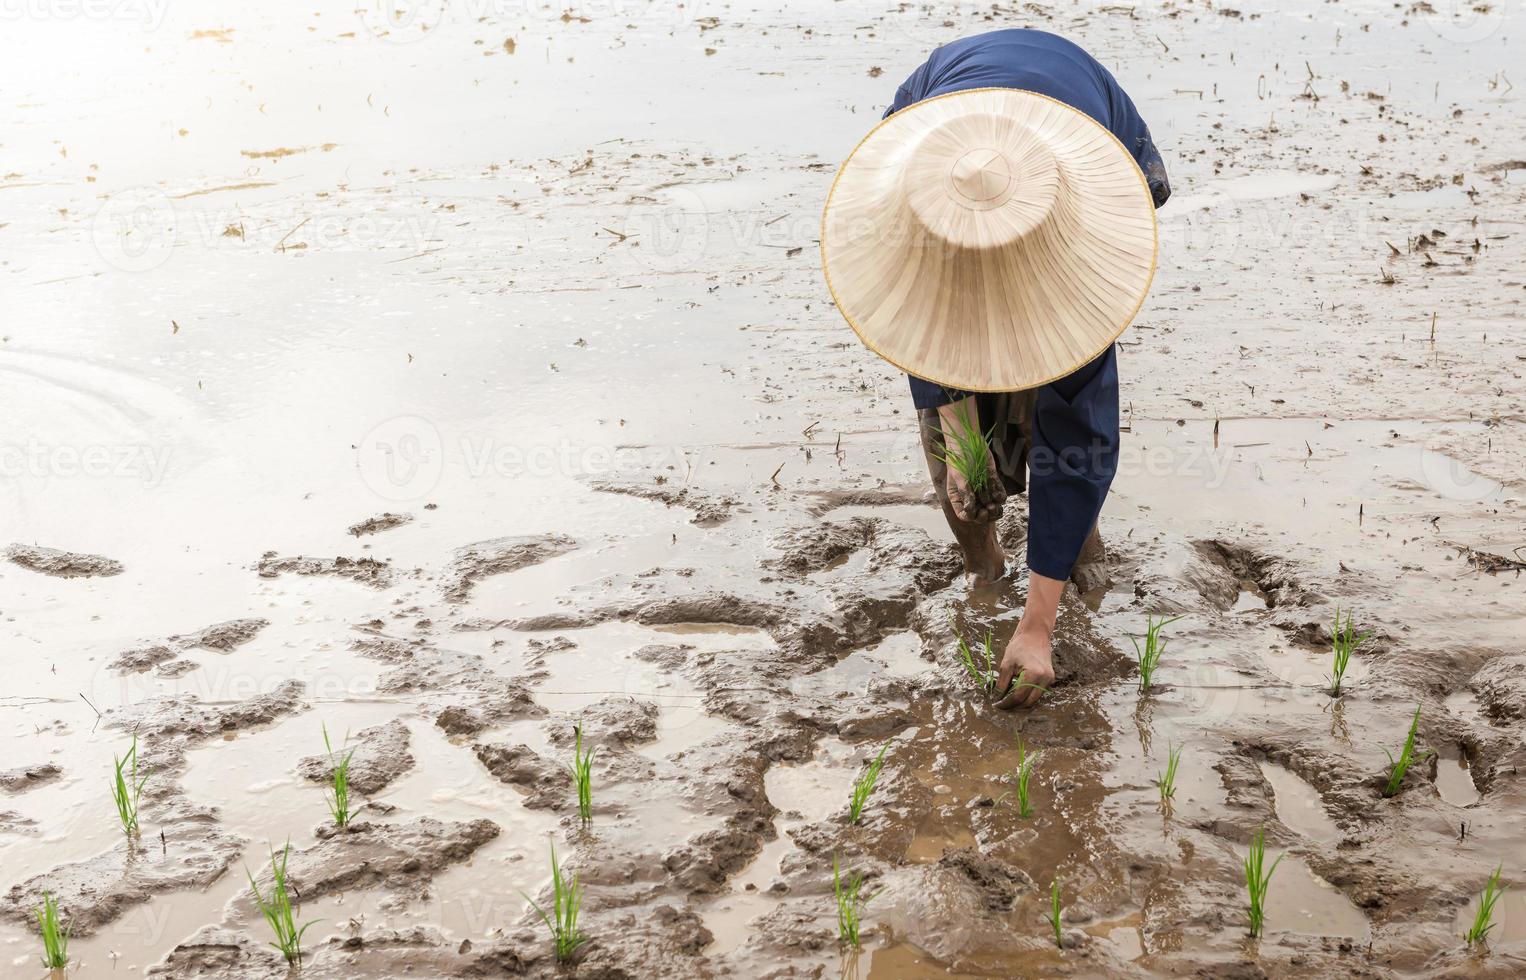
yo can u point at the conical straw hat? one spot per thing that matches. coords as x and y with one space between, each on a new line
989 240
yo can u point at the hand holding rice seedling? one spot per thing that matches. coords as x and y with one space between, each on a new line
1167 781
338 792
566 904
582 775
1257 882
277 908
864 785
1483 918
1149 654
850 905
1343 643
55 938
126 789
968 457
1055 911
1397 767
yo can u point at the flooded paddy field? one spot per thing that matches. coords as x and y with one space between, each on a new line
447 375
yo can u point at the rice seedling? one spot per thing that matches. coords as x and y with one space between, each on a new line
582 775
338 792
1343 643
1149 654
566 903
55 938
1483 919
850 905
278 910
984 677
1167 781
864 785
965 449
1020 777
127 788
1398 767
1257 882
1054 913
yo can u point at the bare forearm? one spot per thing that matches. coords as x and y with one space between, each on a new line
959 415
1043 606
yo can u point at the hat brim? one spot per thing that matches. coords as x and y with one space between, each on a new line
996 295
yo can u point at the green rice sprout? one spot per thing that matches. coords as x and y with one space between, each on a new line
582 775
338 792
1483 919
1343 643
984 677
1054 913
965 450
1398 767
1256 881
864 785
127 788
850 905
1149 654
278 909
1167 781
55 938
566 903
1020 777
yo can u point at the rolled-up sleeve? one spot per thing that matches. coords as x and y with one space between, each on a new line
1071 463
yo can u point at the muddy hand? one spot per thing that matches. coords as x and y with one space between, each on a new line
982 507
1027 669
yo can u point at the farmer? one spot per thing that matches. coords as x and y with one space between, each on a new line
992 237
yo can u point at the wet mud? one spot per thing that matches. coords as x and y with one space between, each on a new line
734 579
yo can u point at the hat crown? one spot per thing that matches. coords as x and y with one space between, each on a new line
980 181
981 174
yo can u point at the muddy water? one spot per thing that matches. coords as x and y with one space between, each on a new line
268 276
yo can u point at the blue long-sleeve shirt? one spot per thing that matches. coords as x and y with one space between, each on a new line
1074 455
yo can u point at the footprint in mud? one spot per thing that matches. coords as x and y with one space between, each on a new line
1299 805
